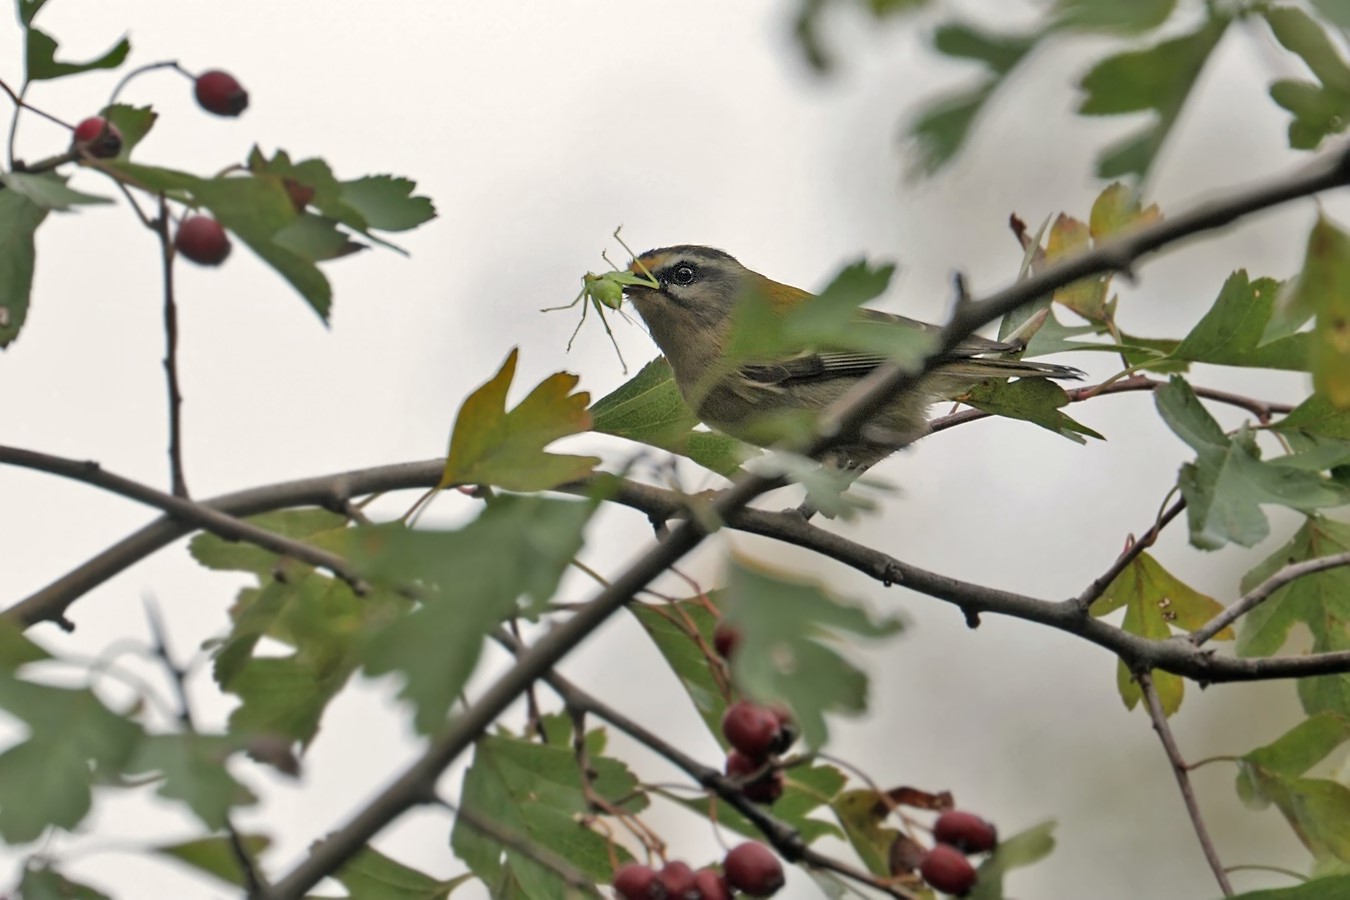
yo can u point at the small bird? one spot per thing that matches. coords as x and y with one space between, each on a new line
689 311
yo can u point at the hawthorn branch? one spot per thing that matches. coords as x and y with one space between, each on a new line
1083 602
161 228
1182 772
1262 592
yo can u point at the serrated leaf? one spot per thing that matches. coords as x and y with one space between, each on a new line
19 219
1023 849
215 855
1156 602
43 64
47 190
370 875
133 122
1323 288
387 202
42 882
648 408
1035 400
46 779
1240 329
1158 80
1316 416
534 791
1319 109
490 445
665 624
192 767
1290 755
474 578
787 653
1320 601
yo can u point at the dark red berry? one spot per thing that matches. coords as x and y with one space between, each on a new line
787 729
965 831
98 137
726 638
634 881
751 729
753 869
678 880
218 92
767 788
711 885
948 870
202 240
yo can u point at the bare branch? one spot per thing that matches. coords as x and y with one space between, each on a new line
161 228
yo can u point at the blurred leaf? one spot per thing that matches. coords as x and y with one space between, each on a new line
1320 601
1319 109
1333 888
193 770
474 577
1318 810
45 780
863 813
1156 602
786 653
1023 849
370 875
302 524
1118 210
48 190
41 882
387 202
134 123
1130 17
1292 754
1240 329
43 64
1157 79
1035 400
16 649
1226 485
806 788
19 219
493 446
1337 12
534 791
215 855
664 624
1316 416
1323 288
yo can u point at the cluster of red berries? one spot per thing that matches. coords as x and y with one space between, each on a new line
750 868
757 734
958 834
199 238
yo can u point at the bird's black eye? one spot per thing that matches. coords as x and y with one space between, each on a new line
683 274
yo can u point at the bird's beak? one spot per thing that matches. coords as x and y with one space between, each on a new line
638 288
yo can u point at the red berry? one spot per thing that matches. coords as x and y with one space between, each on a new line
634 881
711 885
98 137
218 92
202 240
787 729
765 789
753 869
965 831
751 729
726 638
678 880
946 869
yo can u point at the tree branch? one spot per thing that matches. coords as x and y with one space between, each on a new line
161 228
1259 594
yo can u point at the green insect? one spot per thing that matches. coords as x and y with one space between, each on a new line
606 291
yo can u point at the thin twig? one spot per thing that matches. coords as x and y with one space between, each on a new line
20 104
141 70
171 352
1093 592
1155 712
1259 594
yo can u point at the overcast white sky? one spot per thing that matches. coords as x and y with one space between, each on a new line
536 128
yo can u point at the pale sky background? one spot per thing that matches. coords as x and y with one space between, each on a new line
538 127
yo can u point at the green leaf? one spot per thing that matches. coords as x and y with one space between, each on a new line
1320 601
1323 288
534 791
1337 12
193 770
474 576
1293 753
41 882
1240 329
1035 400
386 202
19 219
47 189
16 649
787 654
370 875
665 624
1156 602
301 524
1132 17
134 122
863 813
1334 888
1226 485
1316 416
43 64
215 855
492 446
806 788
1319 109
648 408
46 779
1023 849
1157 79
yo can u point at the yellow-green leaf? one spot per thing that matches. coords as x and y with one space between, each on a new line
1324 289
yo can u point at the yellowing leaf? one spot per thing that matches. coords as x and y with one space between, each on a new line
491 445
1117 209
1324 289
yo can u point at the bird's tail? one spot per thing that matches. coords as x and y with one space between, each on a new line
992 367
